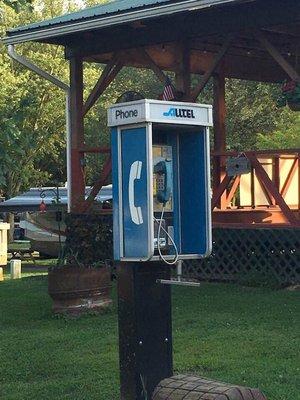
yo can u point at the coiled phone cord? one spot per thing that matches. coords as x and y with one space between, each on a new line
160 227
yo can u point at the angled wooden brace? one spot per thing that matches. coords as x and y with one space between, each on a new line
155 68
108 75
220 190
265 180
98 185
205 78
286 66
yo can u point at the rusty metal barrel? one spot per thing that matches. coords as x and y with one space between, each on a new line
189 387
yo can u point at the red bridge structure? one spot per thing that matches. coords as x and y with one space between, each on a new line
213 39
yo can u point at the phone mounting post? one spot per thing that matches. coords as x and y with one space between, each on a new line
161 217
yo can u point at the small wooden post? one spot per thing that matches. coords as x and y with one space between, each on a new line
1 275
15 269
219 116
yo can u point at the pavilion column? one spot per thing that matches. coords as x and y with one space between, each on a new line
183 74
77 184
219 116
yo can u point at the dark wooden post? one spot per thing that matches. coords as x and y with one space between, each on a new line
183 75
145 328
219 116
77 184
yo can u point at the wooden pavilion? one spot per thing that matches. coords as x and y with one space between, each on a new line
245 39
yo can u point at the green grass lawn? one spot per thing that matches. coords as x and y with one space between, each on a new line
240 335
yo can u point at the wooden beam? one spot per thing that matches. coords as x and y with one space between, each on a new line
235 185
289 178
106 171
198 89
155 68
183 69
220 190
77 183
111 69
265 180
287 67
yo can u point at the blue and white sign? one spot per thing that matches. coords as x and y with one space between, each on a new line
167 112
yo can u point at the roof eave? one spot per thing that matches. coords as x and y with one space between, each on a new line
112 20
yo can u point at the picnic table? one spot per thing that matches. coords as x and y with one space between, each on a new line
21 249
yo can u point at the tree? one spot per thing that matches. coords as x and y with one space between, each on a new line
17 5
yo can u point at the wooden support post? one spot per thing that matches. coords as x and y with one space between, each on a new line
219 115
183 74
77 135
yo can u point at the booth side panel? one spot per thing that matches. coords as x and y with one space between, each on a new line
135 194
194 189
115 187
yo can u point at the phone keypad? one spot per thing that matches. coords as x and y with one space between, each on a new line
161 183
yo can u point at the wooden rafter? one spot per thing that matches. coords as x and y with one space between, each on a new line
152 64
108 75
198 89
286 66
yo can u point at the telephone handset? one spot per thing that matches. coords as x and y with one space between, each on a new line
163 172
135 174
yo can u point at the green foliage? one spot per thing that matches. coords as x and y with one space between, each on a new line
284 137
18 5
252 111
240 335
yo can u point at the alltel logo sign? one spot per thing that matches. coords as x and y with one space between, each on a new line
179 113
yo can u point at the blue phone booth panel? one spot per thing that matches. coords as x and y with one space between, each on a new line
195 193
131 224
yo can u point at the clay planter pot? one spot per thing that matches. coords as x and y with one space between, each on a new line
76 290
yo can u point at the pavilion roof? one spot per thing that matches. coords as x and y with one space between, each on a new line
107 15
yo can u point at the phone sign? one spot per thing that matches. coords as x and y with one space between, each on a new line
135 189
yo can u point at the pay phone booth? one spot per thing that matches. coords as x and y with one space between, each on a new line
161 215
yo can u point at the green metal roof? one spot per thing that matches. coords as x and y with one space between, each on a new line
106 15
112 7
